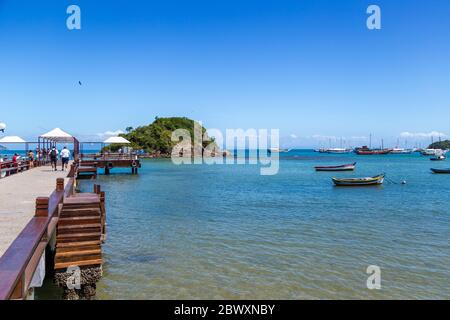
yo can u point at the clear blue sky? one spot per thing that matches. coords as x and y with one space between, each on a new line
307 67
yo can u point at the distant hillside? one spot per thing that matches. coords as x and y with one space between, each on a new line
155 138
440 145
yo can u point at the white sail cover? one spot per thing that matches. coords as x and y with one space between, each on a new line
12 139
118 140
58 135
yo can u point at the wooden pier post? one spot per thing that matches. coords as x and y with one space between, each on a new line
41 207
60 184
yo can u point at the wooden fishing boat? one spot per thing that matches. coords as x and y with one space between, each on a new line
367 151
355 182
345 167
440 170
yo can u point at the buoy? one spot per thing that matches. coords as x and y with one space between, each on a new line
404 182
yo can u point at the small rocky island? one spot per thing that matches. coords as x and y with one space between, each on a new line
155 140
443 145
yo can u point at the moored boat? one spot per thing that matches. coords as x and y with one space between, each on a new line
367 151
440 170
401 151
431 152
278 150
438 158
335 150
338 150
355 182
345 167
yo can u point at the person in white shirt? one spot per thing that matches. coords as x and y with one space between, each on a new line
65 156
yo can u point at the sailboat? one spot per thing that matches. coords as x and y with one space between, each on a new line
398 150
401 151
337 150
365 150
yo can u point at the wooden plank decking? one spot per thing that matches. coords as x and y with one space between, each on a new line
18 195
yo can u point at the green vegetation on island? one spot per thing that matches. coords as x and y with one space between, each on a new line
444 145
156 138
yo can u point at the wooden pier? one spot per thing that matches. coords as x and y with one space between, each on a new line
67 226
89 164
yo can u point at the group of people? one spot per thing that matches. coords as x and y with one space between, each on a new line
53 154
15 158
64 155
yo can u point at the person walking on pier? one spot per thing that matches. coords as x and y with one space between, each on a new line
54 157
31 158
65 155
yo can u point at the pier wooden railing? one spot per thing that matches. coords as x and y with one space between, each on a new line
8 168
108 156
19 262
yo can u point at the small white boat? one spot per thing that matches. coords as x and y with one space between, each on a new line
278 150
401 151
432 152
438 158
335 150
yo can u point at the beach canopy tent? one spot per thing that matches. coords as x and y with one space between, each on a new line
12 139
58 135
116 140
51 138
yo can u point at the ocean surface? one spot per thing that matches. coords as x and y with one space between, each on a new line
226 232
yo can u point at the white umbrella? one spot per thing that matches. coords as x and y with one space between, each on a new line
12 139
58 135
117 140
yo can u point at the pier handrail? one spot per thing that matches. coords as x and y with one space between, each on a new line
19 262
109 156
10 167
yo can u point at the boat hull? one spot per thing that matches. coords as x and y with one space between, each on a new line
359 182
345 167
372 152
438 159
441 171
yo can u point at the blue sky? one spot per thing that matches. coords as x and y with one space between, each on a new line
308 67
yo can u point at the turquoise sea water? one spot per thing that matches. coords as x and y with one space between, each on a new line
226 232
